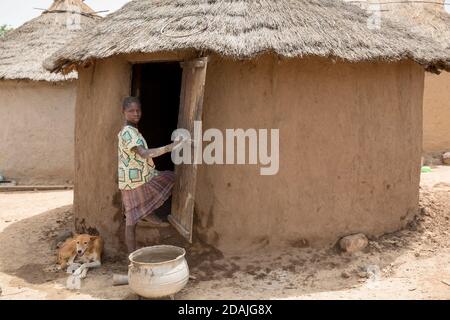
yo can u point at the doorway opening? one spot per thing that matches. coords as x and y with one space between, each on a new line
158 86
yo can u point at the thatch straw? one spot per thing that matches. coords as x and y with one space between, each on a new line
23 50
429 17
245 28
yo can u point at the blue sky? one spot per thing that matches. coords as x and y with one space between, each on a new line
15 12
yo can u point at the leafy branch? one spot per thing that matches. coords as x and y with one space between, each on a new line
4 29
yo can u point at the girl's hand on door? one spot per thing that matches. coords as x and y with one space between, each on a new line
177 144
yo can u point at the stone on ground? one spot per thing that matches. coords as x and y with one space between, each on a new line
353 243
446 158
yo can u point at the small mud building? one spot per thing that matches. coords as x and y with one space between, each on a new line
37 108
433 21
346 98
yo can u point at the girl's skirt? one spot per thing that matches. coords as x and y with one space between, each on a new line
142 201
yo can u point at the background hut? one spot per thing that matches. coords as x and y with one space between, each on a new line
347 100
36 106
434 21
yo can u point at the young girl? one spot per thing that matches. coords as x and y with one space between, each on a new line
143 188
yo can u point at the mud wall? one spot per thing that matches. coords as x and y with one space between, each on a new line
436 113
37 131
350 147
97 202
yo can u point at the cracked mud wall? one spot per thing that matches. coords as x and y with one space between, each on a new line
350 147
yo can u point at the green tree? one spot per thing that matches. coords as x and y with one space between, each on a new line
4 29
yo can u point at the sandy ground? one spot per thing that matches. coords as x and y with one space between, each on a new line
409 264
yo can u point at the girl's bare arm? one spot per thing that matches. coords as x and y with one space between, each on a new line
156 152
152 153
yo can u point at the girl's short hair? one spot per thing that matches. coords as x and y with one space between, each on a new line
129 100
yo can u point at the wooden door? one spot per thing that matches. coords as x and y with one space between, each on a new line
191 104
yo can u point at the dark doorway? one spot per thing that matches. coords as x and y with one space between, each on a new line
158 85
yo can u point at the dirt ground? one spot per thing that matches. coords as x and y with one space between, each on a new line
410 264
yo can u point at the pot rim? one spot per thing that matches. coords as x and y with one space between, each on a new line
131 255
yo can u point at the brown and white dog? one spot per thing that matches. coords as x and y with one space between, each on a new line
83 248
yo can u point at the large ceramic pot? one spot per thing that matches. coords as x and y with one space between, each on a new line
158 271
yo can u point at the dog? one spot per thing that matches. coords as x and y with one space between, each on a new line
82 248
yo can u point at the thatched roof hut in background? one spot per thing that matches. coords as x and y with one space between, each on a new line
433 20
346 98
36 106
23 50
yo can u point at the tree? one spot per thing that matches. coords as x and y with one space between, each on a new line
4 29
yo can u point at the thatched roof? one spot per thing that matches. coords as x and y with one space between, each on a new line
23 50
245 28
430 17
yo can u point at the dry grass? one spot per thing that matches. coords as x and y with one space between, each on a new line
430 17
246 28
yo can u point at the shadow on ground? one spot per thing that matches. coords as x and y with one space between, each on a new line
27 254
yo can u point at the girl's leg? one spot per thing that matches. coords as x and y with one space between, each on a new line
130 238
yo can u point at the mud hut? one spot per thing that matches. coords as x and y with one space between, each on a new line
347 101
434 21
37 108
